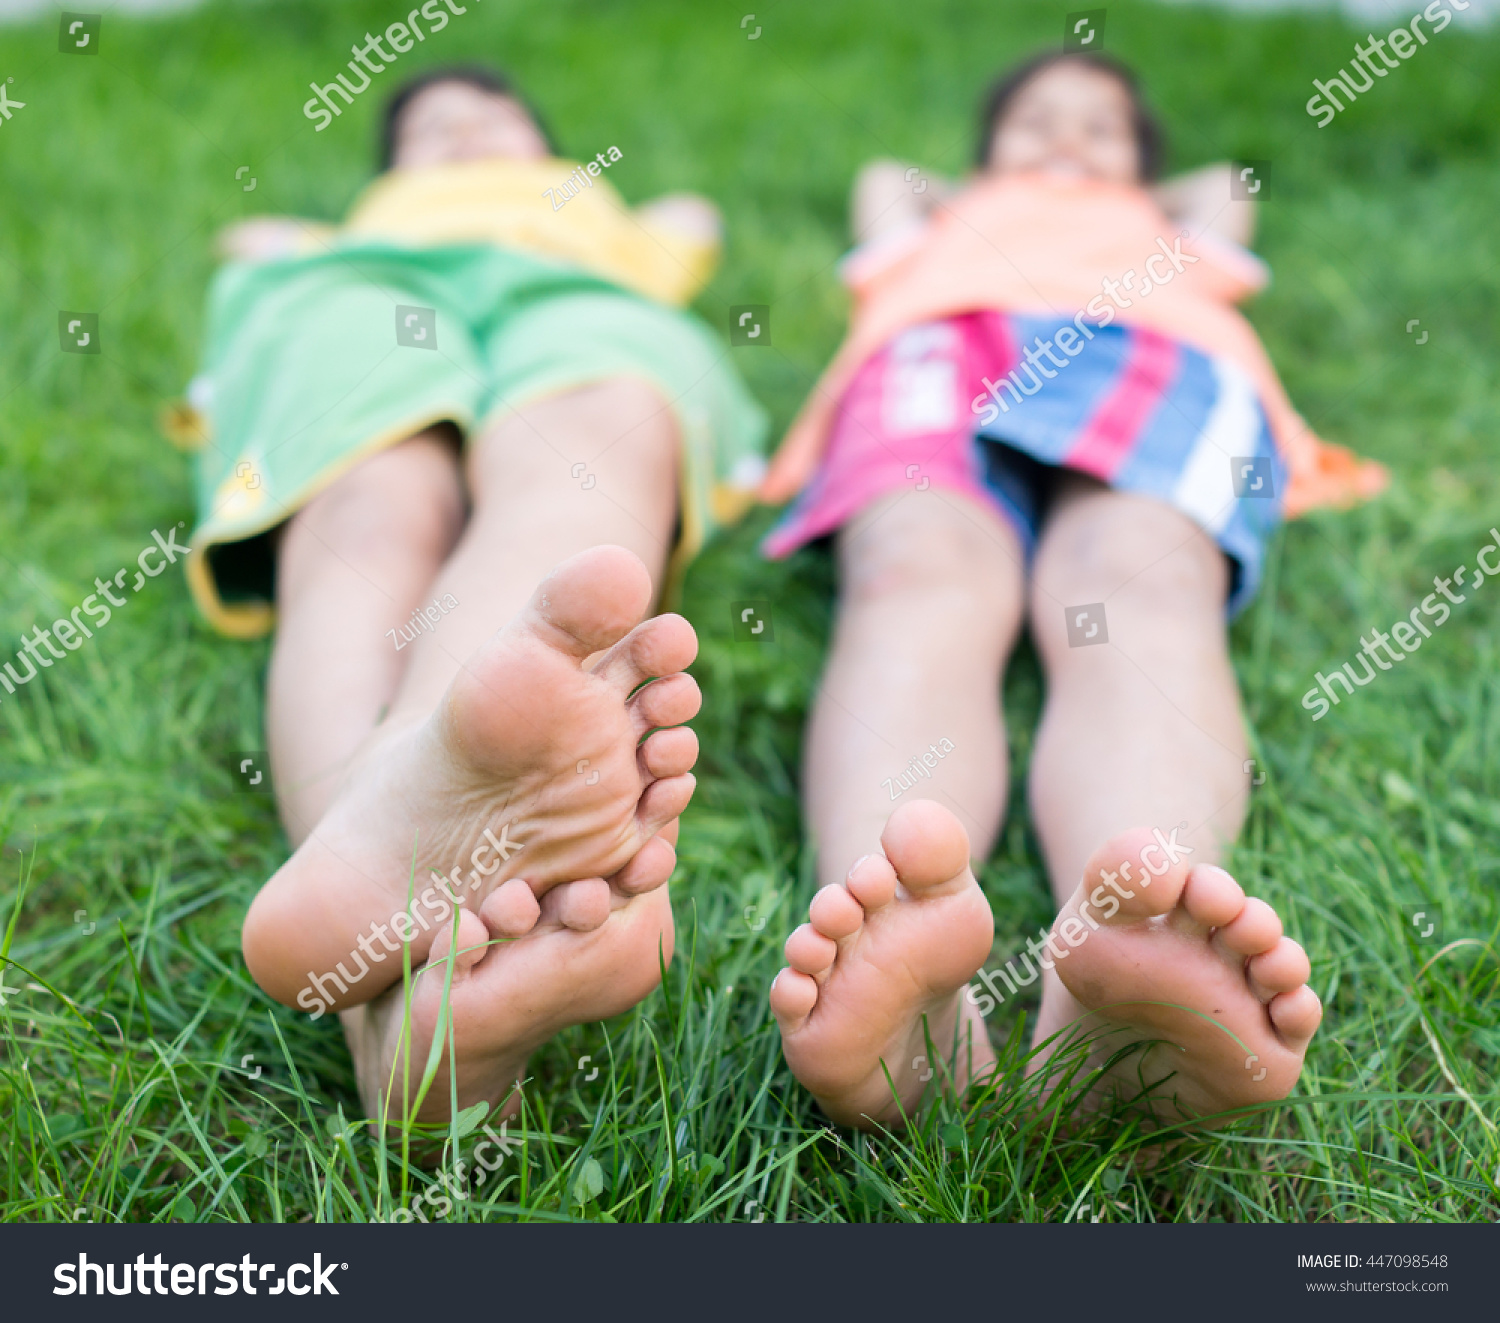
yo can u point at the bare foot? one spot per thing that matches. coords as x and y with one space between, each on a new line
525 970
529 768
1188 959
886 949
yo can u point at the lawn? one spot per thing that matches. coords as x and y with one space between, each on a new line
144 1077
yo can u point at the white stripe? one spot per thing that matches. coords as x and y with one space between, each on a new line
1205 487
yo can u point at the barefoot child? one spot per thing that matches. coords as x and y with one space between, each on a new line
1047 412
481 375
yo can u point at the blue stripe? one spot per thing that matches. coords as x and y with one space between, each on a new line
1046 424
1169 434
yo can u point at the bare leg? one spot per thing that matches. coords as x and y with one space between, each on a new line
931 606
1139 766
359 558
352 564
931 599
1186 962
529 513
1147 729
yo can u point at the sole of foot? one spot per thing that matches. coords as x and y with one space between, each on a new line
1190 965
877 971
523 971
535 766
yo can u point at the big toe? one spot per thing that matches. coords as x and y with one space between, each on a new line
590 601
927 846
1126 867
661 646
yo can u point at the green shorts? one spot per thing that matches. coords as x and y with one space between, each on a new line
315 363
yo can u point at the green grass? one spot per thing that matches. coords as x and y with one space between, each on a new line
121 1093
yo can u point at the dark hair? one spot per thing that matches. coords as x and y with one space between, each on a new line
471 75
1149 140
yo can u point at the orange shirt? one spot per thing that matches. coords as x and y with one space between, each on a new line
1042 245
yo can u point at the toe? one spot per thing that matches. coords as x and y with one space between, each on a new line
835 913
581 906
1122 868
872 882
661 646
591 601
1211 898
927 846
471 945
662 801
792 997
668 753
809 952
1296 1015
1255 930
666 702
511 910
1283 968
650 868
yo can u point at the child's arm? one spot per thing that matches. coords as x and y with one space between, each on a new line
1202 200
687 214
265 238
889 196
681 237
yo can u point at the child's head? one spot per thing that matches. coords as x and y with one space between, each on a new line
1070 114
464 113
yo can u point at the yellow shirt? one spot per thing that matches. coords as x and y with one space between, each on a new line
551 207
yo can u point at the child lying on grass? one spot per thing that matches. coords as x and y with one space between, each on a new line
1047 412
459 389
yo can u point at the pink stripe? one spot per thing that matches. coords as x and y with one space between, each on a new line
1106 441
992 348
863 462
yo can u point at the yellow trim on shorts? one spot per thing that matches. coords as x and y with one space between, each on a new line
253 620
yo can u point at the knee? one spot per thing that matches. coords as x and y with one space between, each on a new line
635 409
408 498
622 430
1147 563
919 550
1133 551
629 434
